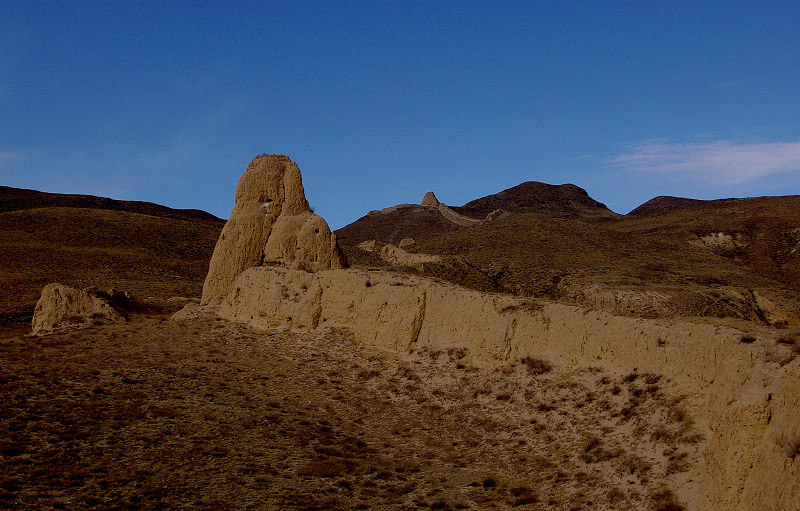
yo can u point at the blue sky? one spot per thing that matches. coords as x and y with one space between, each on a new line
379 102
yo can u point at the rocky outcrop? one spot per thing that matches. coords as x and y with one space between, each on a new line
63 308
271 223
302 242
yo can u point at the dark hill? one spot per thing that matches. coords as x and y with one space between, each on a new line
420 223
708 259
392 225
664 204
152 251
15 199
725 258
555 201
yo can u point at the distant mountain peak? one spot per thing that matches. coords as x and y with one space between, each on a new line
567 200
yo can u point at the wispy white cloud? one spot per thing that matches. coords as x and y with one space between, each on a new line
720 162
10 155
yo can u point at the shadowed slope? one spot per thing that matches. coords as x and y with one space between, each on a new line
664 204
392 225
211 415
14 199
560 201
154 256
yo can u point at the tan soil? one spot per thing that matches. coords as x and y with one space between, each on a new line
745 388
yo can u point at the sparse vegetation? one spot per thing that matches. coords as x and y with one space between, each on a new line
793 342
148 250
196 414
160 414
653 264
536 366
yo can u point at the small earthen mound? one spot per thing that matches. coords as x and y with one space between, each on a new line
62 307
397 256
494 215
271 224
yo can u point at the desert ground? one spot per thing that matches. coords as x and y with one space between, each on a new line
210 414
530 349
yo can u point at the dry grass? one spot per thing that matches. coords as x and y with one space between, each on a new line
537 365
575 260
156 414
153 257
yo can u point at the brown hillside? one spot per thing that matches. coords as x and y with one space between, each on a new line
14 199
766 232
154 256
211 414
736 258
391 226
560 201
664 204
410 221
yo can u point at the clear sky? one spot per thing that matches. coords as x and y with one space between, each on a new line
379 102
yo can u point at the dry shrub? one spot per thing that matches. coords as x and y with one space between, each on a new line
631 377
678 462
489 482
651 379
616 496
678 414
665 501
635 465
522 496
537 366
661 434
457 353
330 467
594 452
368 374
793 342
